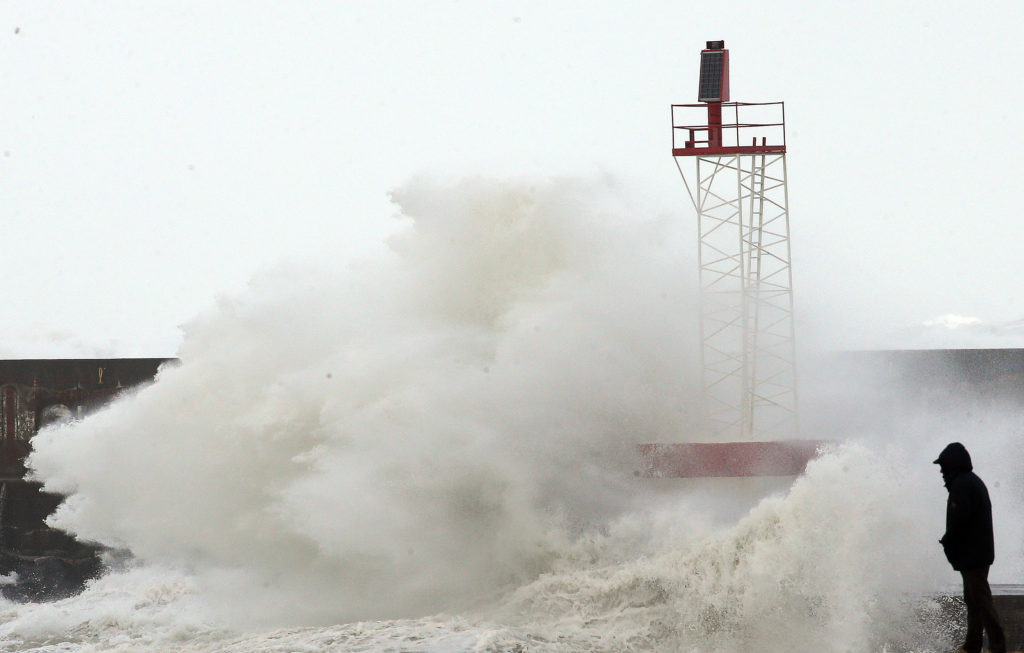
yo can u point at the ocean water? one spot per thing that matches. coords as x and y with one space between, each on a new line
832 564
434 451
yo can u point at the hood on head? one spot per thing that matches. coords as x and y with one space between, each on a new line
954 459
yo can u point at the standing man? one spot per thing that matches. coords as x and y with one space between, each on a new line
969 545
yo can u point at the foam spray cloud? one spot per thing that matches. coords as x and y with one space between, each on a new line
410 434
451 429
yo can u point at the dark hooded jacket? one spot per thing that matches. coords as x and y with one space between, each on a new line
968 541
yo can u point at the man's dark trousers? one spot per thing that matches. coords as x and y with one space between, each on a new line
981 613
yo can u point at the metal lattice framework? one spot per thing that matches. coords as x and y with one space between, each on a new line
748 346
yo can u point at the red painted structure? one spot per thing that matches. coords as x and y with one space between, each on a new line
713 136
705 459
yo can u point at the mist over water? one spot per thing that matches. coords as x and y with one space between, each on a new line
449 431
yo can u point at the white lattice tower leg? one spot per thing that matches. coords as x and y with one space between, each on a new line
748 348
722 294
772 388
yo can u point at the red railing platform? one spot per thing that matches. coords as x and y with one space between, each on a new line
722 128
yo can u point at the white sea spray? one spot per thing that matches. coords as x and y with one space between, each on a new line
434 452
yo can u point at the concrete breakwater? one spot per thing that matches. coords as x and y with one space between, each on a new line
36 561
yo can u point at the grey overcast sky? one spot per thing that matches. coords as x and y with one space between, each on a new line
157 154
